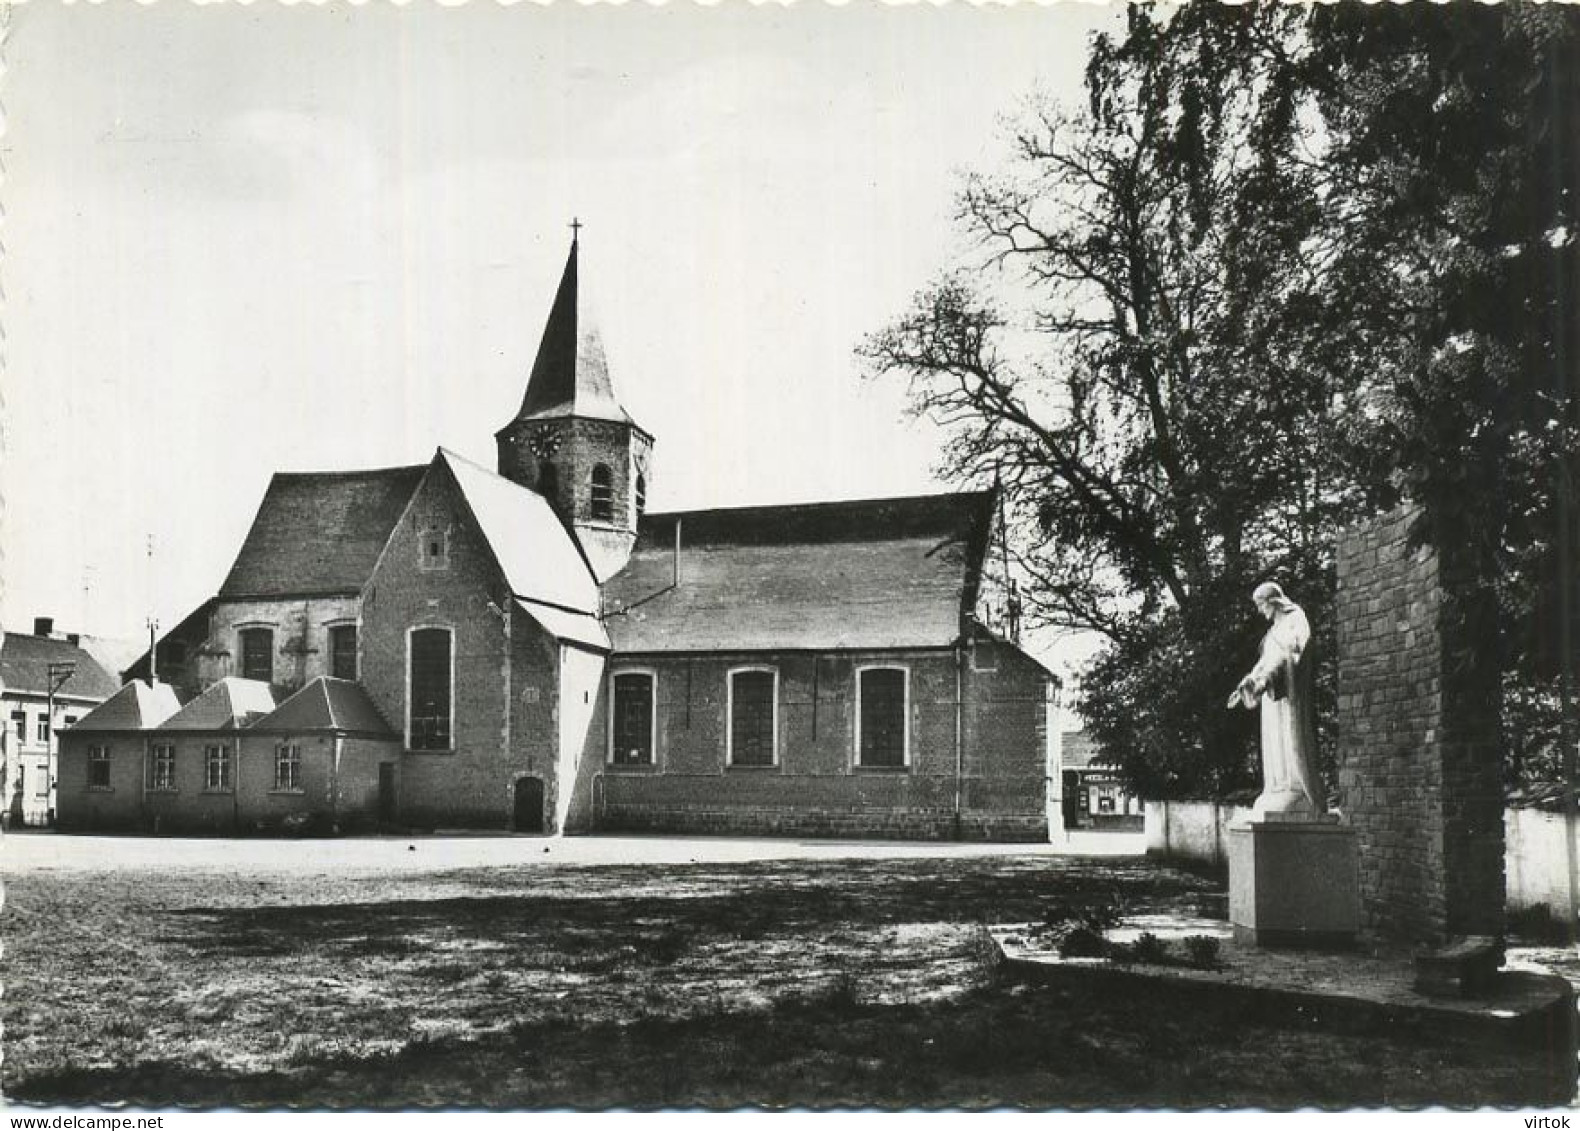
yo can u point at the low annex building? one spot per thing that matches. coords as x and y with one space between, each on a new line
448 646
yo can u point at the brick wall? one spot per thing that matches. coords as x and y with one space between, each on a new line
1418 753
816 789
119 806
301 638
472 784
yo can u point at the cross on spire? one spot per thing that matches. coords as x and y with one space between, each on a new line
576 228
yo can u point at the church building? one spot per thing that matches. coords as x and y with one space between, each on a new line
447 646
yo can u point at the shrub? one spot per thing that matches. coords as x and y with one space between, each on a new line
1082 942
1203 952
1149 948
1537 924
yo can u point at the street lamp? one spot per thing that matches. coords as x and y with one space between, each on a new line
59 672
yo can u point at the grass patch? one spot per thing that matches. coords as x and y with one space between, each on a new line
870 982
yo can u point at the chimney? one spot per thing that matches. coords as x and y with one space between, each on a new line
43 626
74 638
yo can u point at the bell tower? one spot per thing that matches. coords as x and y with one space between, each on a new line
572 442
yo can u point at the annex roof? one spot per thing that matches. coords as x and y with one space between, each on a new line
319 532
879 573
230 704
326 704
24 666
570 375
539 557
136 706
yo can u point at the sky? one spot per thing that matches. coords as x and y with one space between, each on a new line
241 240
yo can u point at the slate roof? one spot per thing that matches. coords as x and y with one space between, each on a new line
336 705
319 532
873 574
570 376
230 704
25 660
136 706
540 559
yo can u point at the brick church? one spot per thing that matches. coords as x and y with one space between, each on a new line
447 646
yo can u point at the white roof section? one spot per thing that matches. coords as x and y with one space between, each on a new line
540 560
231 703
578 628
136 706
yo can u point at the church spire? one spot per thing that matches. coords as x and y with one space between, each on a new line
570 376
571 441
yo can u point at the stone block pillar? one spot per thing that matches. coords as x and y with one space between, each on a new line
1420 754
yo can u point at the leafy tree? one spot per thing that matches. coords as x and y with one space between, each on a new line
1286 266
1452 183
1138 376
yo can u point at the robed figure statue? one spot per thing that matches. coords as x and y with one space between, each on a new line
1281 685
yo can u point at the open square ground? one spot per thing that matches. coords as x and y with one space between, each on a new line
512 972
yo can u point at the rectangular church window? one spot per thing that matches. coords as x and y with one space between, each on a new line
429 674
753 711
433 544
881 738
632 736
343 651
257 654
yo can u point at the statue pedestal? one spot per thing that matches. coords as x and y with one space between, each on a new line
1294 880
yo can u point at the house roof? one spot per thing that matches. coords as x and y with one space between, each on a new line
319 532
24 667
879 573
570 375
230 704
113 653
540 559
1079 750
136 706
327 704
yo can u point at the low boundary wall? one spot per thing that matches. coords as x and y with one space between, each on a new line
1536 862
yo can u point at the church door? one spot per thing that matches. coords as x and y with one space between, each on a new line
529 805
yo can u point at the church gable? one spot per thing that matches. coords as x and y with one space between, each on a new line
437 603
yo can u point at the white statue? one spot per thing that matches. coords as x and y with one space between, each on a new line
1281 683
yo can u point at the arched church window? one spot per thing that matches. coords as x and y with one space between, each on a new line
431 702
641 495
602 493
